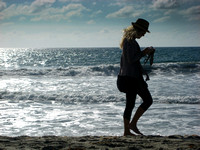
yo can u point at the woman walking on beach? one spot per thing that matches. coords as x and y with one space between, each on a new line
130 79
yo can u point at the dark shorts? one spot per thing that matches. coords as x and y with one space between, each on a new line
128 84
132 87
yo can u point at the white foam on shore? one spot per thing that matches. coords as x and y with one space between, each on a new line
54 118
97 89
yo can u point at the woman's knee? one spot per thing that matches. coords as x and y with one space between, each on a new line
150 102
147 103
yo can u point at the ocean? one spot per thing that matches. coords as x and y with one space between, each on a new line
72 92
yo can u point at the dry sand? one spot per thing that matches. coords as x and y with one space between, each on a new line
175 142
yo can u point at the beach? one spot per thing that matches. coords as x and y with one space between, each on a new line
174 142
67 98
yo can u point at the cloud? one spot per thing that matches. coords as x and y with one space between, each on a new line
47 17
57 14
74 7
170 12
195 10
69 1
91 22
39 5
165 4
125 12
19 10
104 31
7 24
42 10
42 2
11 11
74 10
117 3
162 19
2 5
192 13
121 3
65 12
94 14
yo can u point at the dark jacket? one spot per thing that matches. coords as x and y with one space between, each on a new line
130 60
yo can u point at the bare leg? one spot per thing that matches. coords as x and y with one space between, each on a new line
147 101
133 124
130 103
126 128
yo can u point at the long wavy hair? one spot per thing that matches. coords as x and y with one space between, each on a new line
129 33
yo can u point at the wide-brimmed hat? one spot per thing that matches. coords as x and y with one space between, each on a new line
141 24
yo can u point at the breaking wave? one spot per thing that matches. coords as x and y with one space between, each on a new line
88 99
103 70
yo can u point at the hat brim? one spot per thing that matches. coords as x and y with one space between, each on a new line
138 26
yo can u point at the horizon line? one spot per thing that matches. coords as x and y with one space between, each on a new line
88 47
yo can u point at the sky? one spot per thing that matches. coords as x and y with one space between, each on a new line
97 23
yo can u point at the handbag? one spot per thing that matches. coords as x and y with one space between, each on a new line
123 83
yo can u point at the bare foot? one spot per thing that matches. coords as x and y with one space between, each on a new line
128 134
135 129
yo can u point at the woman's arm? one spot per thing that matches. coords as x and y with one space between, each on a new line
132 52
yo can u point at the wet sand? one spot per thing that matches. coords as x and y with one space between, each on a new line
175 142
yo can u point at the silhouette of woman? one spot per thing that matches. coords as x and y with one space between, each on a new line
130 79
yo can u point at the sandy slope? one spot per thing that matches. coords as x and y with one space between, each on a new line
175 142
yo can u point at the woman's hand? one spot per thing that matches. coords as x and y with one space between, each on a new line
148 51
